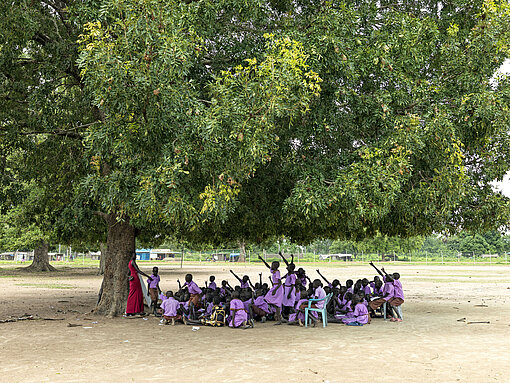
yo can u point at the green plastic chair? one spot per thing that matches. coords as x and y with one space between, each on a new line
322 310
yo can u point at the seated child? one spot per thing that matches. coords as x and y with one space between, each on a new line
388 293
299 315
238 315
217 317
359 316
212 284
259 308
170 309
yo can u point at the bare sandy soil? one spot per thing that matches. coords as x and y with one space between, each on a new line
431 345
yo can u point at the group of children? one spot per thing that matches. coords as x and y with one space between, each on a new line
284 301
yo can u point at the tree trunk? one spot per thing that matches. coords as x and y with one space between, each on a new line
102 247
41 260
120 245
242 250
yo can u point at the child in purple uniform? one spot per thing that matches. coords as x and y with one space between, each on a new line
238 315
212 284
194 292
289 288
244 282
359 316
398 298
153 288
274 297
170 309
259 308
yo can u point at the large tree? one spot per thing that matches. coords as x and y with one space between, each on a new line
171 113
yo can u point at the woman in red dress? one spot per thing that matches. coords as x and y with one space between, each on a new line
135 297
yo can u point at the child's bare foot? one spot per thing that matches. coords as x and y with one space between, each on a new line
301 323
263 320
184 320
173 321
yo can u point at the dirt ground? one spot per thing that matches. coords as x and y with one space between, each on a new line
432 344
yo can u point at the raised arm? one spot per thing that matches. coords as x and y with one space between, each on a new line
234 274
322 276
251 284
140 271
265 263
271 280
292 258
284 260
260 279
376 269
179 282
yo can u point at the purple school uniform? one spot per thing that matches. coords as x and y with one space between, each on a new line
319 293
170 306
193 288
303 280
261 304
208 310
289 287
301 315
223 292
245 285
277 298
162 297
212 285
367 290
388 290
241 316
350 290
298 297
359 315
398 291
378 291
153 284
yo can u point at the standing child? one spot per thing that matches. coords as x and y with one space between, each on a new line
398 298
289 288
194 292
274 296
153 287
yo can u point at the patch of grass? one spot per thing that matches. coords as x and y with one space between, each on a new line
46 285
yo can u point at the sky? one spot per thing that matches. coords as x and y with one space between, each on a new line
504 186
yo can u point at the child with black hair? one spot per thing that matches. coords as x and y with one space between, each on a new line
153 288
274 296
359 316
349 283
289 288
298 317
238 315
244 282
259 308
212 283
170 309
